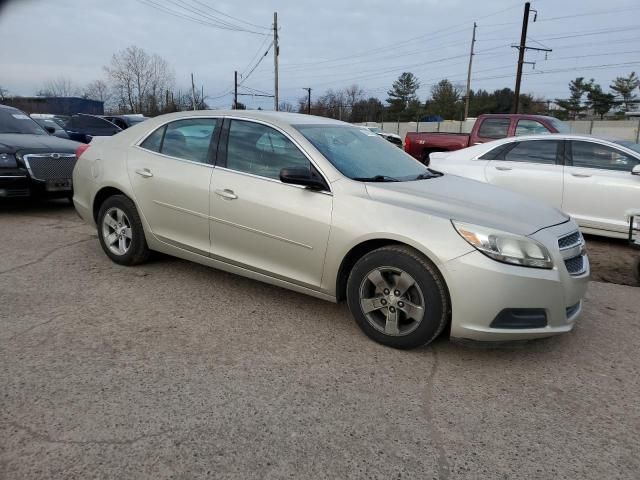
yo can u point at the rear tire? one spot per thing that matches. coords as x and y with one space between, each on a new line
425 158
398 297
120 231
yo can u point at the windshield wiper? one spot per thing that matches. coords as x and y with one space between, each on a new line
377 178
428 174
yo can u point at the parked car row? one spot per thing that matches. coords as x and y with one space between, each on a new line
328 209
38 152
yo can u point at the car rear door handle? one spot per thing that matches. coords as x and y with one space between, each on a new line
580 175
144 172
226 194
504 169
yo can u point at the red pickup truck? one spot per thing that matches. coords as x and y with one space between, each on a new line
485 129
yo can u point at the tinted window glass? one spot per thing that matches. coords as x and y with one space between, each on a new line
494 128
495 153
14 121
358 153
189 139
261 150
530 127
533 151
154 141
594 155
87 121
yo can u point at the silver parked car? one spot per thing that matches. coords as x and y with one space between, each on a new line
327 209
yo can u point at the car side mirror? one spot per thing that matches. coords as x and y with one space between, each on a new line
635 170
51 130
302 176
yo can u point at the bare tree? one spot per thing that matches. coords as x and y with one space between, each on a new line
286 107
140 80
59 87
97 90
3 94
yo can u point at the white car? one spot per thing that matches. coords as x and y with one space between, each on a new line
595 181
390 137
327 209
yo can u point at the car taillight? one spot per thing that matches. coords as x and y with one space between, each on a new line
81 149
407 143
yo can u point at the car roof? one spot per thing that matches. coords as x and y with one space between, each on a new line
482 148
7 107
275 118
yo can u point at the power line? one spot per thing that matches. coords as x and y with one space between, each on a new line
231 17
177 14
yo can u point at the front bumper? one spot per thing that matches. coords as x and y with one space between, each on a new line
481 289
14 185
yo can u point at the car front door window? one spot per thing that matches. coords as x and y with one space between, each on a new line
260 150
596 155
530 127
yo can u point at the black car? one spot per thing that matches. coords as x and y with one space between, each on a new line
82 127
125 121
33 162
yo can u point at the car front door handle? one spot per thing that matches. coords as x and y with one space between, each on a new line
226 194
580 175
144 172
504 169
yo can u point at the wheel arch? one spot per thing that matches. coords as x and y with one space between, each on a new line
100 197
361 249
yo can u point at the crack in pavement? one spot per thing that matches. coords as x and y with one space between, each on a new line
48 439
27 330
444 469
44 257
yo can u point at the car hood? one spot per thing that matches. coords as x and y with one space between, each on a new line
469 201
14 142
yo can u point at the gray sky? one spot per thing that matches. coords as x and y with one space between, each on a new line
328 44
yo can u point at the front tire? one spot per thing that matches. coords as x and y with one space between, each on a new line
398 297
120 231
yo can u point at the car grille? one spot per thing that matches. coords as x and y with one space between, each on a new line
50 166
572 249
570 240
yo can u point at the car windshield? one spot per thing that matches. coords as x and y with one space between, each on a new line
560 126
362 155
630 145
14 121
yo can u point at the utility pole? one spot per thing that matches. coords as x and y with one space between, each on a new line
521 50
466 102
235 90
193 93
202 95
308 100
276 52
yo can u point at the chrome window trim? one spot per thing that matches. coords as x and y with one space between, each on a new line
138 143
273 180
13 176
207 164
292 140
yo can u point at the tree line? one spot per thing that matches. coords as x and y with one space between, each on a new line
587 95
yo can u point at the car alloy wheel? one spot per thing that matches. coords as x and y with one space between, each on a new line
116 231
392 301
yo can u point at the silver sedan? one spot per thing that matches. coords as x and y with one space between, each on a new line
334 211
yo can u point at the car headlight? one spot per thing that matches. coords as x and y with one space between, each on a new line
505 247
8 160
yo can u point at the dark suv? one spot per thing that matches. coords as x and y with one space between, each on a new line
82 127
32 162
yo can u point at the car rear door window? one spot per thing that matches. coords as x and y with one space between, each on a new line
596 155
154 141
533 151
494 128
260 150
188 139
530 127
